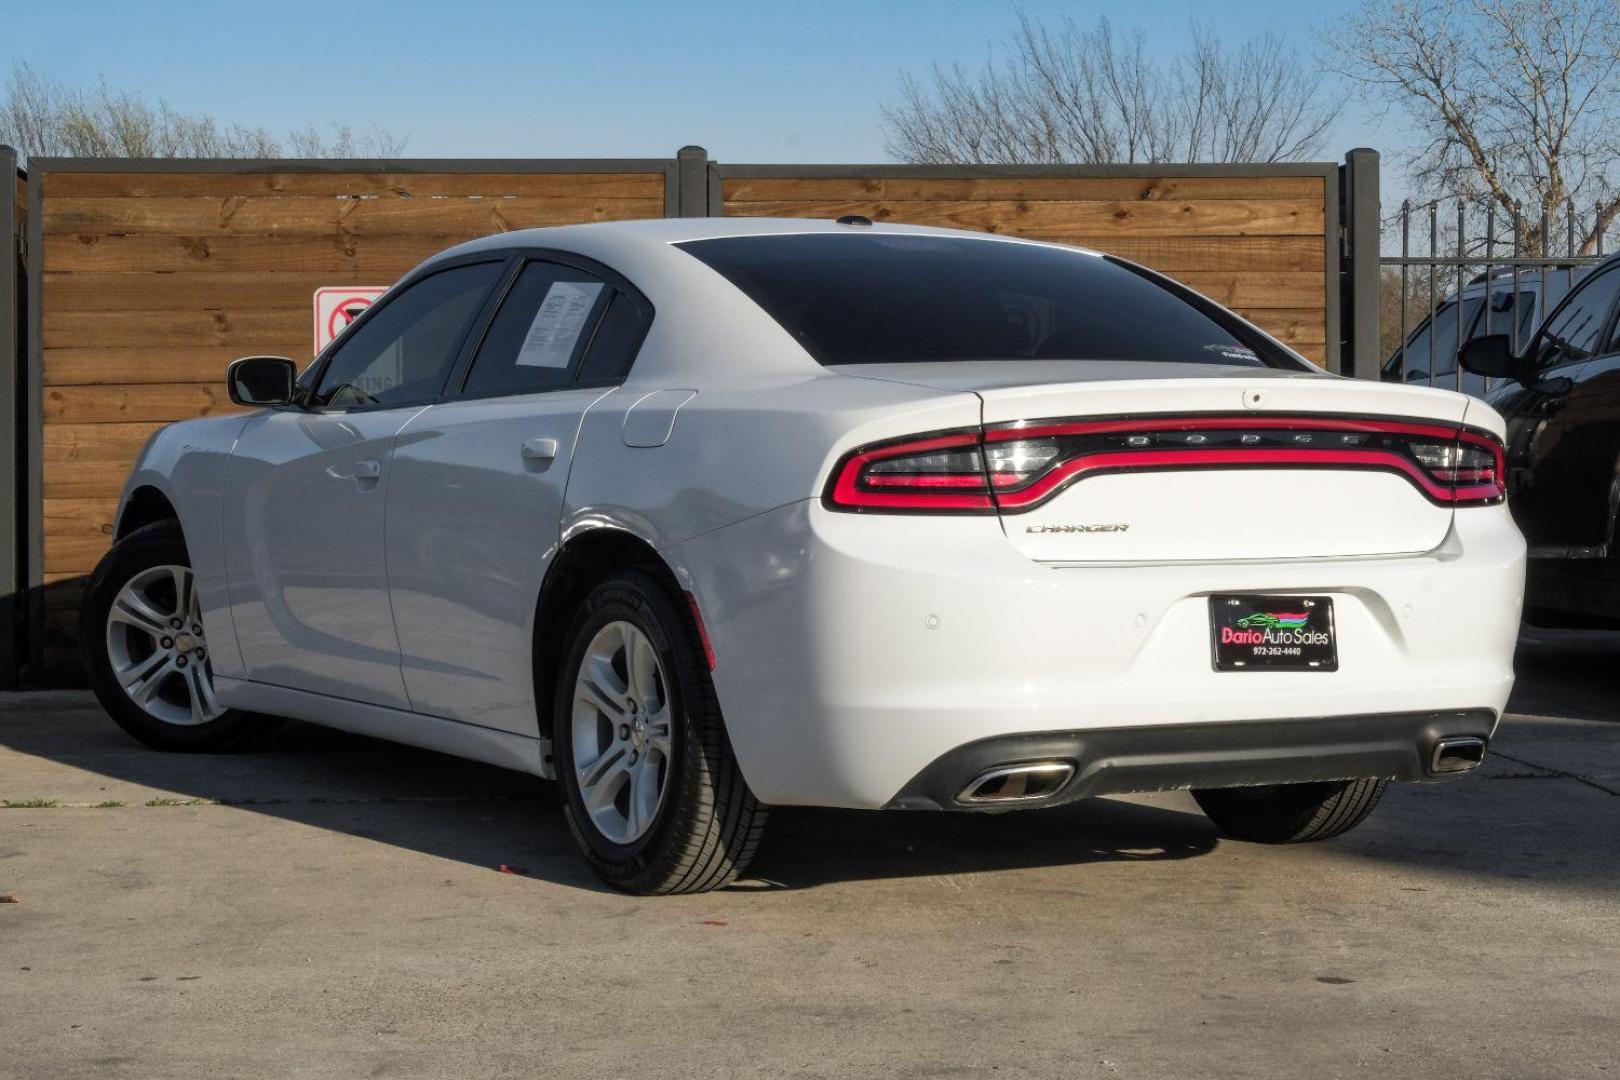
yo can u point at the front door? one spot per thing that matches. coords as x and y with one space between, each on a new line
306 488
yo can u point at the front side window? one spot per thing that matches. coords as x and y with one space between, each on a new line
402 354
884 299
1571 334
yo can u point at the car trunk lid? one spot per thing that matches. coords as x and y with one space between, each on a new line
1215 463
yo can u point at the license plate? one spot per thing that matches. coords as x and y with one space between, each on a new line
1273 633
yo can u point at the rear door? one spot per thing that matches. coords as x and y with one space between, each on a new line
474 514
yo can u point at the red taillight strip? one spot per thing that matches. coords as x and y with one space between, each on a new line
848 493
1219 423
1140 460
922 492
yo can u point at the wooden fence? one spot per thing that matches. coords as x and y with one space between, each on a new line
146 278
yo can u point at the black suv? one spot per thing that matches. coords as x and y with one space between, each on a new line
1561 398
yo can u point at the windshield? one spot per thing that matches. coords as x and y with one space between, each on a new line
886 299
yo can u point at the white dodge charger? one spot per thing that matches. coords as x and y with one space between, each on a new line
704 516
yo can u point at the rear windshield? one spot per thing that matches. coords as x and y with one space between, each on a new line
885 299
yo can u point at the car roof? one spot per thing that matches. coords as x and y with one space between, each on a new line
648 234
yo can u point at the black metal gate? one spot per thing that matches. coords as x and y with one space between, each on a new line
1470 270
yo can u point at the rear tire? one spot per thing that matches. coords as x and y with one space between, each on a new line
1291 813
152 676
651 789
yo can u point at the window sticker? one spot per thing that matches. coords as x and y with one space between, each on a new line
557 325
1233 352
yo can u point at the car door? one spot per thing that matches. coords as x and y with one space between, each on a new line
478 482
1559 473
306 486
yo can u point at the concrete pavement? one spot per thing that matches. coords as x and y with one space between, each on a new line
331 906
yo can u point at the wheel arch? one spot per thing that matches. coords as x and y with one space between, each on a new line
585 558
145 505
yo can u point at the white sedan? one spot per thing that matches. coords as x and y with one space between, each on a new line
699 517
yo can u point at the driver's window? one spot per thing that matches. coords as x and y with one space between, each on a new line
1572 333
402 354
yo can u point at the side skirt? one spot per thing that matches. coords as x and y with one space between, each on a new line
502 748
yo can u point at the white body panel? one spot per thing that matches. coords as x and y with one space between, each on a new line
472 524
852 649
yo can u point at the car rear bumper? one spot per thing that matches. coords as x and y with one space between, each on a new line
1110 761
855 651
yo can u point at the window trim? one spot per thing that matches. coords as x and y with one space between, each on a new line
1605 334
317 368
617 283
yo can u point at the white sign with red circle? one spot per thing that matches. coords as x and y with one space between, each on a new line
336 306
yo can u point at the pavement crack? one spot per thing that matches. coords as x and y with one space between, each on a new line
1565 774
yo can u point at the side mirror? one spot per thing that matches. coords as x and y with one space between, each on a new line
261 380
1492 356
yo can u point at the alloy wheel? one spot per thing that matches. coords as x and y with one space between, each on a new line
158 651
622 732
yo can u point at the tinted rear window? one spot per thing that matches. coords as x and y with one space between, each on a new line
883 299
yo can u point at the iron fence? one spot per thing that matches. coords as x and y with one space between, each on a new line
1479 272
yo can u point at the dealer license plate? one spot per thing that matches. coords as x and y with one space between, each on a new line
1273 633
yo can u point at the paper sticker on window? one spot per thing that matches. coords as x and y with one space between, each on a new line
558 324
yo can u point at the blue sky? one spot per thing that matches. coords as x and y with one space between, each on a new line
765 81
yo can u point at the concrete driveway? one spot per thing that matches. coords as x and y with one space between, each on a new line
332 907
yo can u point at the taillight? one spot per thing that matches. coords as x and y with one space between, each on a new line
933 473
1017 467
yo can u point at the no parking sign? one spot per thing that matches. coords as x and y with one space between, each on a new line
336 306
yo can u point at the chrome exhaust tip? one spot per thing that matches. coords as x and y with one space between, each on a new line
1456 754
1018 783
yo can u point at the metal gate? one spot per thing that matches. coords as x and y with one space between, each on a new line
1465 270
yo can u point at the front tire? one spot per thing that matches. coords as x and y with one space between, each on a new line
144 646
653 794
1291 813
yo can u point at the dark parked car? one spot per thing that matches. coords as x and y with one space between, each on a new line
1561 398
1495 305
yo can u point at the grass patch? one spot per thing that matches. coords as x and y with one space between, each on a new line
108 805
163 800
27 804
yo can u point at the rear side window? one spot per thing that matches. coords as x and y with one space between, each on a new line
884 299
617 339
543 328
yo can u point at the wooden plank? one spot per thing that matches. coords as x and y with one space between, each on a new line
1214 217
1059 189
243 216
648 185
381 258
1168 254
97 366
247 329
1257 290
1297 326
198 289
118 404
78 533
91 460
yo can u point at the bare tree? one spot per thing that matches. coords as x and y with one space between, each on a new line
42 118
1074 93
1517 101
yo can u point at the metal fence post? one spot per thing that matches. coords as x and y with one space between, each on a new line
692 173
11 425
1362 233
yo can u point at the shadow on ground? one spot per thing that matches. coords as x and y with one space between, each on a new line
61 746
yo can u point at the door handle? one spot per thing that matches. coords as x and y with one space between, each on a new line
359 471
540 450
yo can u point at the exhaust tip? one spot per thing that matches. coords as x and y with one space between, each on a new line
1456 754
1018 783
